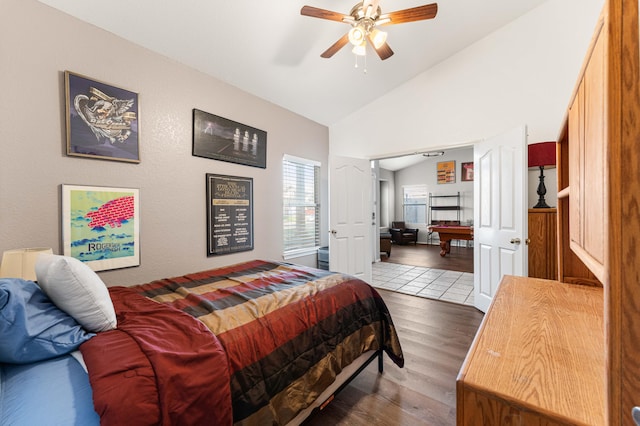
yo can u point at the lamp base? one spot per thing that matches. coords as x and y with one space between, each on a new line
542 190
541 205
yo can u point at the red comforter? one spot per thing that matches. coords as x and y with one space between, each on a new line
253 343
142 373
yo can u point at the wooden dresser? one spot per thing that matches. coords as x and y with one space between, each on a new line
543 262
537 359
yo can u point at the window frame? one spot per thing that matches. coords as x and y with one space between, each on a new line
417 188
315 205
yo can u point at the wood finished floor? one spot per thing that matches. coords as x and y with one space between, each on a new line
435 337
459 259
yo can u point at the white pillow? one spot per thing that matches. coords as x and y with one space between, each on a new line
77 290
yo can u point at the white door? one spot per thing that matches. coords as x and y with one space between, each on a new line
350 216
500 216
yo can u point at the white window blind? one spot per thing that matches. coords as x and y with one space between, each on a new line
415 204
301 204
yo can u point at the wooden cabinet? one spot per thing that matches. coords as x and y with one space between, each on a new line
543 351
587 163
536 359
599 191
543 262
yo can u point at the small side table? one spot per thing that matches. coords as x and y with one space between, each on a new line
385 243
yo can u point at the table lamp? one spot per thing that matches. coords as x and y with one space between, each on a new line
21 263
542 155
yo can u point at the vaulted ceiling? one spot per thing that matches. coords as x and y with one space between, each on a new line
268 49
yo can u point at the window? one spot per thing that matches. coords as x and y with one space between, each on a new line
301 205
415 204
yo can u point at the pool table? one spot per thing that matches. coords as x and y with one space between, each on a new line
449 232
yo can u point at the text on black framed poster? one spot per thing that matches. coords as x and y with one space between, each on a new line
229 214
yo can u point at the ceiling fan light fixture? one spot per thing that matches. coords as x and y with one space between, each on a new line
433 154
357 35
378 38
364 17
360 50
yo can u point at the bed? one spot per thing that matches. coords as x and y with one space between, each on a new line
254 343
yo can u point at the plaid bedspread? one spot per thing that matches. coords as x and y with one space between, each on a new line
287 330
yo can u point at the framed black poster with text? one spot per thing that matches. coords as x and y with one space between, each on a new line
229 214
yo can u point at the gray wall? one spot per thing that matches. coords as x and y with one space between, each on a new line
389 177
425 173
37 44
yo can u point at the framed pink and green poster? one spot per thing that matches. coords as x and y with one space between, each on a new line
101 226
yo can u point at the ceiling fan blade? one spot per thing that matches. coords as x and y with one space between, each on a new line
384 51
336 46
315 12
428 11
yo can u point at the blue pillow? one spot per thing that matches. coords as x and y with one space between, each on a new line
32 328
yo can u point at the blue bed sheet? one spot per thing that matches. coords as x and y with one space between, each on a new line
51 392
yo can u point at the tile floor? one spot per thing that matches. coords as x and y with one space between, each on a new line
431 283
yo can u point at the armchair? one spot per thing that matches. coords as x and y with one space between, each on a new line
403 235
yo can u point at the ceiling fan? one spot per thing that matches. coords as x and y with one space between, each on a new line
364 19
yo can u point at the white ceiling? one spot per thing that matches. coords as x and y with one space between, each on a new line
268 49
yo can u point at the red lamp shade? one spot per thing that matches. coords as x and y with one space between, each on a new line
542 154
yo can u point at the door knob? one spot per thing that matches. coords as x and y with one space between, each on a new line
515 241
333 232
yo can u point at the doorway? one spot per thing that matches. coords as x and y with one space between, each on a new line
409 189
419 269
